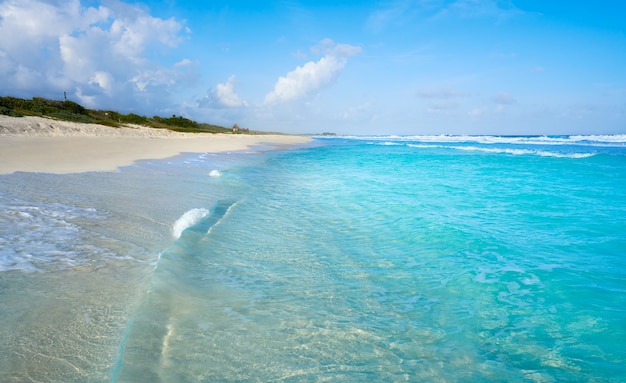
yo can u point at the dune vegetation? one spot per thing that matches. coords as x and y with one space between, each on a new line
71 111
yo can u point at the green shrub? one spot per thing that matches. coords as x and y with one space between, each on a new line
67 116
133 118
176 121
73 107
9 112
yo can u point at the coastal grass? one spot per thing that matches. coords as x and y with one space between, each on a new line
71 111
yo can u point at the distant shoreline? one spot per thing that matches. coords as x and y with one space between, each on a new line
38 144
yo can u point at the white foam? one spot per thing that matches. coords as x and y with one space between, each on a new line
609 140
214 173
517 152
188 219
46 237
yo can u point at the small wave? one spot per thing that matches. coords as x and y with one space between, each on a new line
517 152
188 219
564 155
608 140
522 152
612 138
214 173
47 237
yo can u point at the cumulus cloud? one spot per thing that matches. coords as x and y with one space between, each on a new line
314 75
225 94
96 53
102 79
305 79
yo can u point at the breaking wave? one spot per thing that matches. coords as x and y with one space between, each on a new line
188 219
542 153
617 140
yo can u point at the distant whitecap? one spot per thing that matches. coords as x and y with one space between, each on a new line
215 173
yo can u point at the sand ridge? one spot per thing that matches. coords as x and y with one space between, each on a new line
47 127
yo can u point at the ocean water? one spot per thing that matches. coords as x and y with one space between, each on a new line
353 259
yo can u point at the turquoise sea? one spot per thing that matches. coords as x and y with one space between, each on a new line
352 259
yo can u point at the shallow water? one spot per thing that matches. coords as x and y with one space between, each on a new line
359 259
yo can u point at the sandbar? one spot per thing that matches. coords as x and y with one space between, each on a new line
36 144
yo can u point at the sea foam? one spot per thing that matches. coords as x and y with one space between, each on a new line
188 219
517 152
46 237
608 140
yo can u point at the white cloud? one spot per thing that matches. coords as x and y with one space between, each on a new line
133 35
103 79
222 98
98 54
88 101
225 94
305 79
184 63
26 77
314 75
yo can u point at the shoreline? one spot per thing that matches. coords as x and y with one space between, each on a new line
37 144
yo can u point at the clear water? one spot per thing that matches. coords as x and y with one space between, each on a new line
358 259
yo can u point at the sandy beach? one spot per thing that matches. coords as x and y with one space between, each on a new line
35 144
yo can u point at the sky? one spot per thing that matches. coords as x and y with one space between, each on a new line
409 67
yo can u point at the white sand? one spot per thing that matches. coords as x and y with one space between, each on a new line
35 144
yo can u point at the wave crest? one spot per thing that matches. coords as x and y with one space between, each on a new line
606 140
518 152
188 219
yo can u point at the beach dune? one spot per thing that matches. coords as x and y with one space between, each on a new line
36 144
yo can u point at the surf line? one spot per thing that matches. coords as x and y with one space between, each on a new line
200 229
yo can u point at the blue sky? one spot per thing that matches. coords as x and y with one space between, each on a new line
350 67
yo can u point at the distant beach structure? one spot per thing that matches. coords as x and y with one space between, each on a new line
236 129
